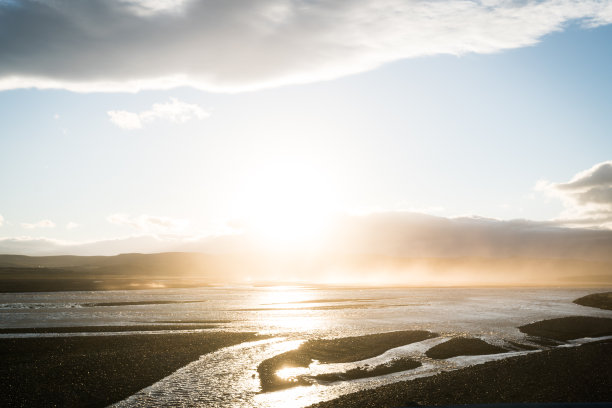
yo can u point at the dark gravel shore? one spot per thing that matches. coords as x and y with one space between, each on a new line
598 300
577 374
461 346
95 371
394 366
340 350
569 328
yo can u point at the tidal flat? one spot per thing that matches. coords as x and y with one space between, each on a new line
157 347
579 374
341 350
95 371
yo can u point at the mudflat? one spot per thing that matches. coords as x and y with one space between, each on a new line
576 374
598 300
394 366
569 328
340 350
95 371
461 346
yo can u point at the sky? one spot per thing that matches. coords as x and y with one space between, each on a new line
147 123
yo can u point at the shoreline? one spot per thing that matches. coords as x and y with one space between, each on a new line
566 374
95 371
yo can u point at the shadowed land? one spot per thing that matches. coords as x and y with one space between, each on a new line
578 374
599 300
186 270
569 328
96 371
460 346
393 366
341 350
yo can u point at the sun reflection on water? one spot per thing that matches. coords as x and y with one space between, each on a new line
284 296
291 373
283 309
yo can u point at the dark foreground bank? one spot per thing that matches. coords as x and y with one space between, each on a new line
340 350
598 300
578 374
98 370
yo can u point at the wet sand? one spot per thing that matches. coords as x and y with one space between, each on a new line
99 370
598 300
327 301
142 303
325 307
578 374
461 346
562 374
394 366
569 328
341 350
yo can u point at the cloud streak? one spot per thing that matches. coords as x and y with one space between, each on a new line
39 224
147 223
129 45
174 111
587 196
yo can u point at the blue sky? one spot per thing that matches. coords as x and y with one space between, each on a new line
449 135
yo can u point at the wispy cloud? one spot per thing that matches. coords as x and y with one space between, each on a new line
587 196
1 220
174 111
152 7
72 225
148 223
230 46
39 224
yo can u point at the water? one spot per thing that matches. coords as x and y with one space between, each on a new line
291 315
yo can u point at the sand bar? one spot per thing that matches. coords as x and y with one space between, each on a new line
548 376
340 350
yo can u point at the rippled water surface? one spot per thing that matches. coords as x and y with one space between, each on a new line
291 315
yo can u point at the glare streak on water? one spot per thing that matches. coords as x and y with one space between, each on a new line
225 378
229 377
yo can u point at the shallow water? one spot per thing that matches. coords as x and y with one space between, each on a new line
228 377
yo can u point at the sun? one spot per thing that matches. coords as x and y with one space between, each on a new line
287 204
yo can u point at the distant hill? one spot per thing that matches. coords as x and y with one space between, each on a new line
185 269
125 271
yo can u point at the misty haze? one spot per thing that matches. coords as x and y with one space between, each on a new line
289 203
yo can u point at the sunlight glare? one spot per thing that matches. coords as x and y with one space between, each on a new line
287 205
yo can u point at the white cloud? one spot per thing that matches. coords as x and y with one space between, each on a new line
128 45
587 196
1 220
148 223
151 7
174 111
125 120
39 224
72 225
